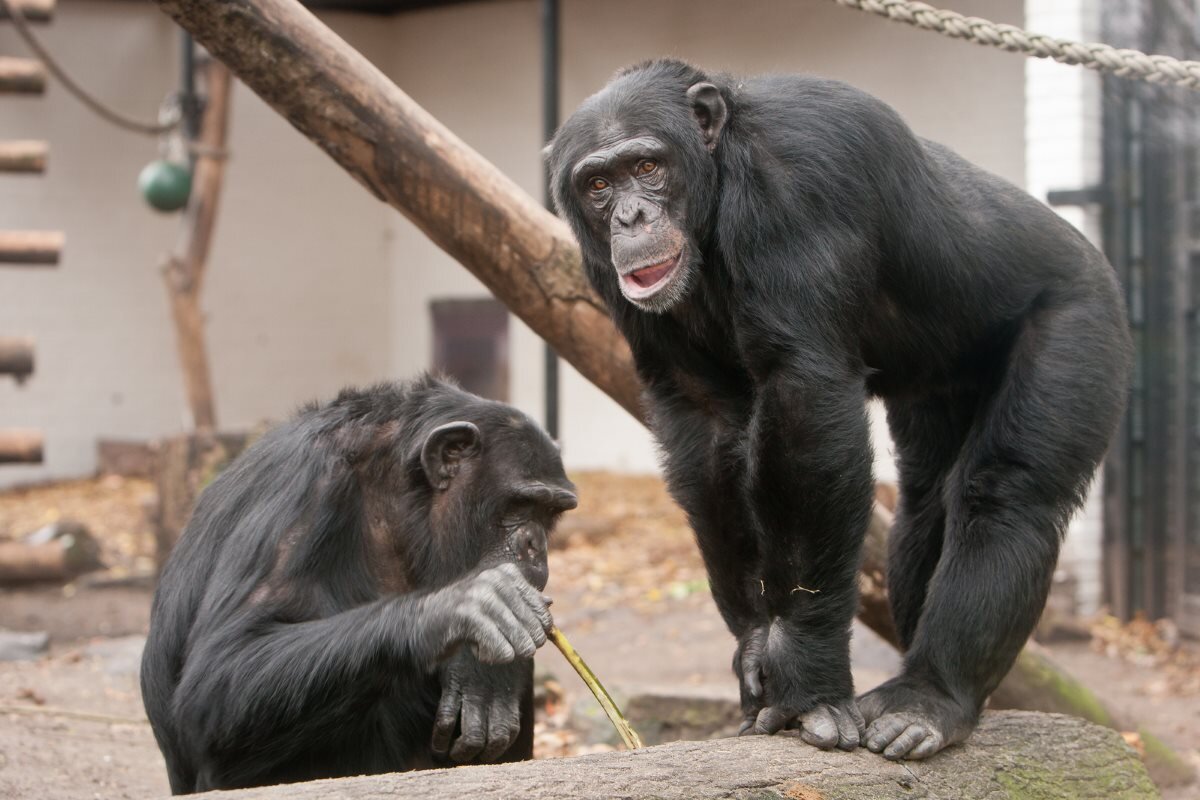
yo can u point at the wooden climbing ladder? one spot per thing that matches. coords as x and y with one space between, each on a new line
24 248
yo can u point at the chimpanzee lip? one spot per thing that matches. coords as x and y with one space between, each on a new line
645 281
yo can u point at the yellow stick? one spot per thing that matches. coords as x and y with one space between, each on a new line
628 735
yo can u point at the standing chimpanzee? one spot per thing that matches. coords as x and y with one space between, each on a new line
359 582
778 249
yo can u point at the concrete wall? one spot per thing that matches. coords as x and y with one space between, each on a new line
313 284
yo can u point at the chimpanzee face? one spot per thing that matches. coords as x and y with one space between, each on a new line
635 177
505 489
625 187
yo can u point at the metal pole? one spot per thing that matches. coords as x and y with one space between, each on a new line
189 103
550 71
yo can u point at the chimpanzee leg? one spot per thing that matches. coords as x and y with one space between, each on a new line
928 434
1023 470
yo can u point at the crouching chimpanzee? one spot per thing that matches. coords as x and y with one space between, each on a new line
358 587
778 249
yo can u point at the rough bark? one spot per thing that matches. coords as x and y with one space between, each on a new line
1013 754
21 76
23 156
521 252
20 446
184 270
16 356
30 247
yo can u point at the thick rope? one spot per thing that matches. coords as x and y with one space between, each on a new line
104 112
1102 57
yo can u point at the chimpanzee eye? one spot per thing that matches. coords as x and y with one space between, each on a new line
647 166
597 184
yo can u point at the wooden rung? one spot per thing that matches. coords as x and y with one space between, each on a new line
32 10
30 247
23 156
21 76
20 446
16 356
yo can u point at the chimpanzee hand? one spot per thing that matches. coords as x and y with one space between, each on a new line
793 681
486 700
496 612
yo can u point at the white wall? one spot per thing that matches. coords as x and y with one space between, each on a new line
314 284
294 298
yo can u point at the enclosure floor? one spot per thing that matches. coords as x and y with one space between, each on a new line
628 590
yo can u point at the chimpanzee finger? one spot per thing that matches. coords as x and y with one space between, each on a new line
534 599
525 615
516 634
474 730
771 720
504 722
489 643
445 719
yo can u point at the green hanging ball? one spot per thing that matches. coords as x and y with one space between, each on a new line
165 185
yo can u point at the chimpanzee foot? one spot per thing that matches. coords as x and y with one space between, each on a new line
908 720
826 725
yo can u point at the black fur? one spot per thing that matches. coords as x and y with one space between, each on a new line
829 255
306 625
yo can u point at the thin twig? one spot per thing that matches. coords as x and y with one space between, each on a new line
628 735
89 716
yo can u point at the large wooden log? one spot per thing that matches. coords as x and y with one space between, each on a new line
20 446
405 157
21 76
23 156
60 553
31 247
395 148
31 10
16 356
1012 755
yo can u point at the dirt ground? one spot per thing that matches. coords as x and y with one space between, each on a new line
629 591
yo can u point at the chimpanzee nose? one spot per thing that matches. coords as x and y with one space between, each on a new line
529 549
629 215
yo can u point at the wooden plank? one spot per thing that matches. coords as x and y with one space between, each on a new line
30 247
31 10
16 356
20 446
21 76
23 156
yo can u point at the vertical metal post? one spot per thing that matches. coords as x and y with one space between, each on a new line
550 69
189 103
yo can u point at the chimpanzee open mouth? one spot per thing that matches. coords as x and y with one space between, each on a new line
644 282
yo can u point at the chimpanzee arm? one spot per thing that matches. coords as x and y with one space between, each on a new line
810 485
705 469
249 680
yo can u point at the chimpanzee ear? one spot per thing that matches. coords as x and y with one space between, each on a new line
446 448
709 109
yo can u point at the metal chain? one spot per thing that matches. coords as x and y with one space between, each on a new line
1125 63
